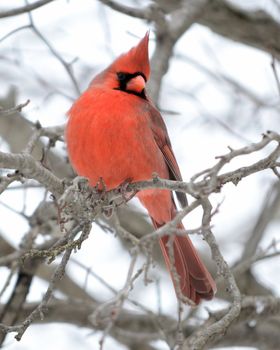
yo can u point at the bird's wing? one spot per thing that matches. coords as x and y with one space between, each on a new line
162 139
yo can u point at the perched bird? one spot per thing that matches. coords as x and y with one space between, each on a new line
114 132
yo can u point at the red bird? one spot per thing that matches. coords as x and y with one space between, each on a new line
115 133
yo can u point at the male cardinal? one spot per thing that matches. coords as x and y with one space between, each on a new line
115 132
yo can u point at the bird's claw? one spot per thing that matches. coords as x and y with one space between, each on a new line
108 211
123 189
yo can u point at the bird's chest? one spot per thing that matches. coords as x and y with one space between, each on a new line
114 143
119 138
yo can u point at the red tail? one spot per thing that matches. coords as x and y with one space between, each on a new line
195 281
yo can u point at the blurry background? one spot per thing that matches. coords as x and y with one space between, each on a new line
214 82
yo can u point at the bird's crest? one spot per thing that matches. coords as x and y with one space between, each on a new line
135 60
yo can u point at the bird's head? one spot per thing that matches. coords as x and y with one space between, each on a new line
130 71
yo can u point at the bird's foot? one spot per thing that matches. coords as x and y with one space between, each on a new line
108 211
123 189
101 187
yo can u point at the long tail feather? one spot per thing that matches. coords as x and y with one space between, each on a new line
196 283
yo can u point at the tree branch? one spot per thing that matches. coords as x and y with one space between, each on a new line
31 169
24 9
254 28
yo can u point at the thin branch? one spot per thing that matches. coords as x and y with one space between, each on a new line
18 108
67 66
216 330
14 31
144 13
31 169
256 28
5 181
24 9
213 182
117 303
246 263
268 210
168 31
39 311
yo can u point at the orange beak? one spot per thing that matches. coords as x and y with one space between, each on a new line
136 84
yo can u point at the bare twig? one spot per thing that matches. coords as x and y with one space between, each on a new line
12 32
31 169
5 181
24 9
39 311
216 330
67 66
18 108
58 274
267 211
115 305
144 13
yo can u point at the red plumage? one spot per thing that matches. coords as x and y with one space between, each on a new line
115 132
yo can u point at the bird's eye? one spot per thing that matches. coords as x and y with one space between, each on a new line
121 76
